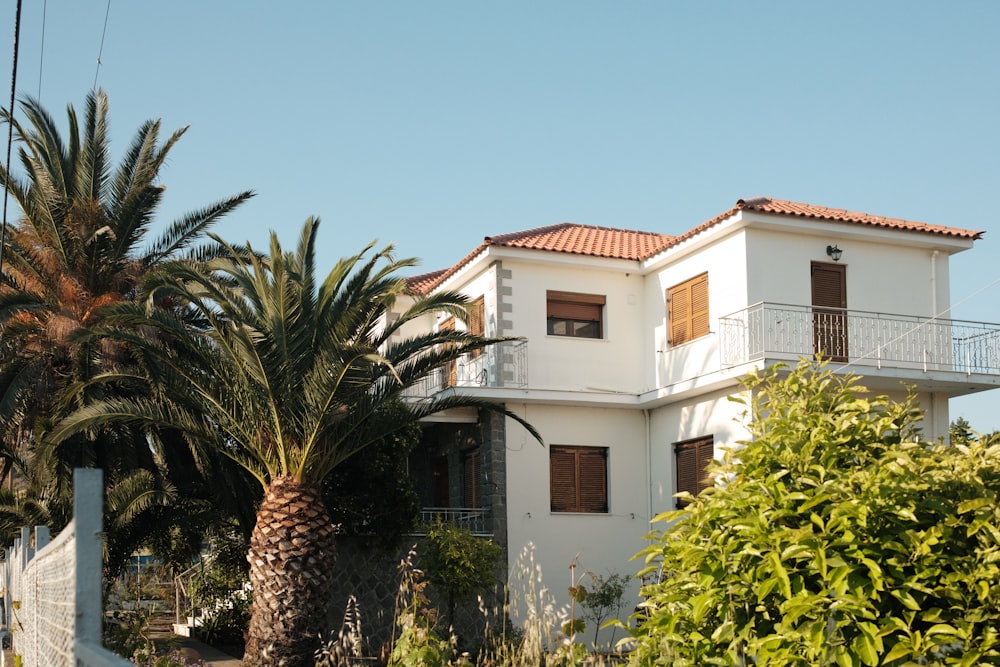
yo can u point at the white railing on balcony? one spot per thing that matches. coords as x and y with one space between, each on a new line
501 365
874 339
476 520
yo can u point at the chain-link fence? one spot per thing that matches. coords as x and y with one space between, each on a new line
52 606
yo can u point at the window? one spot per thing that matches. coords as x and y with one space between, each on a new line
691 458
471 474
449 378
578 479
575 315
477 323
687 310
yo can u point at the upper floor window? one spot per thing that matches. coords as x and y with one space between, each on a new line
574 314
691 459
449 376
687 310
578 479
477 322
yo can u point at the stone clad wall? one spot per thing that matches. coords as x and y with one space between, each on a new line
372 576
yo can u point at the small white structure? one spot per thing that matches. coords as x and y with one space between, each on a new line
634 341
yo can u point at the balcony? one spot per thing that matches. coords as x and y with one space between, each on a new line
501 365
475 520
778 331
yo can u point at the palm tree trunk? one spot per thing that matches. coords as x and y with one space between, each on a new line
291 570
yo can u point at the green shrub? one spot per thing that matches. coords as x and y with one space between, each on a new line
834 536
458 563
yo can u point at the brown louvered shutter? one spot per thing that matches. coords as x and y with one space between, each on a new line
829 285
477 317
477 322
593 467
829 298
691 459
562 479
450 376
687 310
471 475
678 300
578 479
699 307
574 305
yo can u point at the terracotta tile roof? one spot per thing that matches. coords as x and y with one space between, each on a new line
783 207
584 240
422 284
565 237
635 245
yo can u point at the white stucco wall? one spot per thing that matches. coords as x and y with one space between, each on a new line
726 264
598 542
712 414
611 364
881 277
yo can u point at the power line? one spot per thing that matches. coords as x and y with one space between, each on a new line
100 51
921 325
10 132
41 52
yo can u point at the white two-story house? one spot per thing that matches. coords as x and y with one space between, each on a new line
633 342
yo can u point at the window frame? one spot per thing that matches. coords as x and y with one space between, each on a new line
688 310
572 471
703 449
577 311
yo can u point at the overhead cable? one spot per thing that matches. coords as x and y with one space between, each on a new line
10 132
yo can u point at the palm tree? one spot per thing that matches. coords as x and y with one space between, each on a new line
76 248
292 376
83 243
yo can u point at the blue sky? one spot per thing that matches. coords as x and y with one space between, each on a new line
433 124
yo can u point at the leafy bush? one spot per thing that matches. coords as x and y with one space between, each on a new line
222 595
834 536
459 563
603 598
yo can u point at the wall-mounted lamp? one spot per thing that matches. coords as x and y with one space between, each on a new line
834 252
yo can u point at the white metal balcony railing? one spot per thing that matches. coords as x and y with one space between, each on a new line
475 520
863 338
501 365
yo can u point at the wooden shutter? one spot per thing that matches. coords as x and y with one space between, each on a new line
477 317
678 308
477 322
471 474
691 459
562 479
574 305
829 299
829 285
450 376
578 479
699 307
593 476
687 310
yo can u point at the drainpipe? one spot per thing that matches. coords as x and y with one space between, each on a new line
934 313
649 469
934 310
